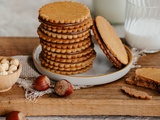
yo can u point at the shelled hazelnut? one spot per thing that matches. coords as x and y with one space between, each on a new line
14 62
4 60
8 66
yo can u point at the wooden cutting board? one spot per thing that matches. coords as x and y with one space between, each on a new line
105 99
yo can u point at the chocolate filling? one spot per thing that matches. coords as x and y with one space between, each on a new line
111 57
61 24
71 33
144 82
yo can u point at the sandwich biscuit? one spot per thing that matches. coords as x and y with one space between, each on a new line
67 45
56 40
71 60
64 12
109 42
70 55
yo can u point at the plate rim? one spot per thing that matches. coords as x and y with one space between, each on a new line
128 66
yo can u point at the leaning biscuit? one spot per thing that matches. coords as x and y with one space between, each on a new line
109 42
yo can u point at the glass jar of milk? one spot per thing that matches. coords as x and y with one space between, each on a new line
112 10
142 24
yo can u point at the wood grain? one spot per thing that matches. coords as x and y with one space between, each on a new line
105 99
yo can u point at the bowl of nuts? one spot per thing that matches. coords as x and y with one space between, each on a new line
10 70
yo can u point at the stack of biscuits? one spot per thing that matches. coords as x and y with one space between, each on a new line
65 37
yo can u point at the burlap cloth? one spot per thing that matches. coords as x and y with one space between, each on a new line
28 75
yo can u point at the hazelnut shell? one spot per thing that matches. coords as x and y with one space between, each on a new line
15 115
41 83
63 88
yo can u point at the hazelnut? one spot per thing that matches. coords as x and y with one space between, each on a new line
12 68
15 115
4 73
63 88
14 62
2 68
4 60
41 83
5 66
10 72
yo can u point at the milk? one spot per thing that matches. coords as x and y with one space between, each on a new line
143 34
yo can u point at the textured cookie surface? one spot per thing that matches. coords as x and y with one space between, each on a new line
111 39
73 12
149 73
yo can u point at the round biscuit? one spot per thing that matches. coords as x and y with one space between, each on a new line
66 60
56 40
67 65
67 45
70 56
63 36
86 24
69 72
111 39
64 12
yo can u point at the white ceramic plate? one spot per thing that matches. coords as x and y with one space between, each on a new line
102 71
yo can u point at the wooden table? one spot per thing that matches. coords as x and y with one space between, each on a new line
105 99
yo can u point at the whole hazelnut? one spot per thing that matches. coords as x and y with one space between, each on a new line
15 115
4 73
4 60
14 62
12 68
5 65
2 68
10 72
63 88
41 83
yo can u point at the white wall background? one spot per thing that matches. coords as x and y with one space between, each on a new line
20 17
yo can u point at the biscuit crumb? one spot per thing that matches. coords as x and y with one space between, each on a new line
131 80
136 93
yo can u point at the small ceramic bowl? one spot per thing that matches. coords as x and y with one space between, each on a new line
7 81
